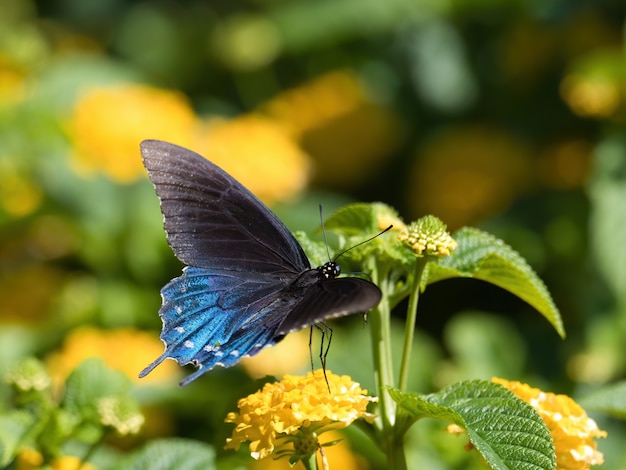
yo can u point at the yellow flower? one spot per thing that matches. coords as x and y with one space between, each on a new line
28 459
259 153
590 96
108 124
428 237
467 174
126 350
315 104
572 430
348 133
287 417
31 459
290 355
19 194
69 462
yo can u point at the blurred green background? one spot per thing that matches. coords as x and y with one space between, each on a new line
506 115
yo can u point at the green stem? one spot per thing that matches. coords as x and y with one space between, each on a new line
310 463
409 327
379 320
380 327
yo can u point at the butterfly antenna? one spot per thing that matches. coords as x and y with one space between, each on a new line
324 232
360 243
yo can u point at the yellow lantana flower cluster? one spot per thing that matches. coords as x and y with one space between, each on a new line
31 459
109 122
572 430
259 153
86 342
428 236
297 406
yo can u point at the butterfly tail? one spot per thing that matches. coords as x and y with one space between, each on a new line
151 367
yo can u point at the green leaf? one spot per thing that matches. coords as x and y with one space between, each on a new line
610 400
88 383
354 223
480 255
507 432
165 454
315 251
14 425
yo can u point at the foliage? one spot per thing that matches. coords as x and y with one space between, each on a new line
506 117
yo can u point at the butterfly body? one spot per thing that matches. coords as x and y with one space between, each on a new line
248 282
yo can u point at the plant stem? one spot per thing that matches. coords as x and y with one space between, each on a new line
380 326
383 371
310 463
409 327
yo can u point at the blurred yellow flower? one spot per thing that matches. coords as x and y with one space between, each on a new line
589 96
28 459
125 349
566 165
572 430
19 195
285 418
108 124
12 84
290 355
259 153
346 132
316 103
468 173
69 462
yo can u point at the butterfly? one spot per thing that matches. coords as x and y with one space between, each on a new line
247 282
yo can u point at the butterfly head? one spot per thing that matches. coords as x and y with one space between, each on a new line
330 270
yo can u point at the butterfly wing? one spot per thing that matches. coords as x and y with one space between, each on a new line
330 298
212 221
248 283
215 317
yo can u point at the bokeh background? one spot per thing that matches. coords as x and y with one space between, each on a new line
505 115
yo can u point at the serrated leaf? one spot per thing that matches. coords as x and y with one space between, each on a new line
165 454
507 432
480 255
610 400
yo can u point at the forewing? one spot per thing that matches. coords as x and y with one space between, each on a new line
330 298
216 317
212 221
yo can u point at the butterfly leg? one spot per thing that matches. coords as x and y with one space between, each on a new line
324 329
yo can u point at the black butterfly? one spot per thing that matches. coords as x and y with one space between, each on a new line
248 282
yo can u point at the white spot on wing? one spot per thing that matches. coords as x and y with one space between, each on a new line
189 344
180 329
